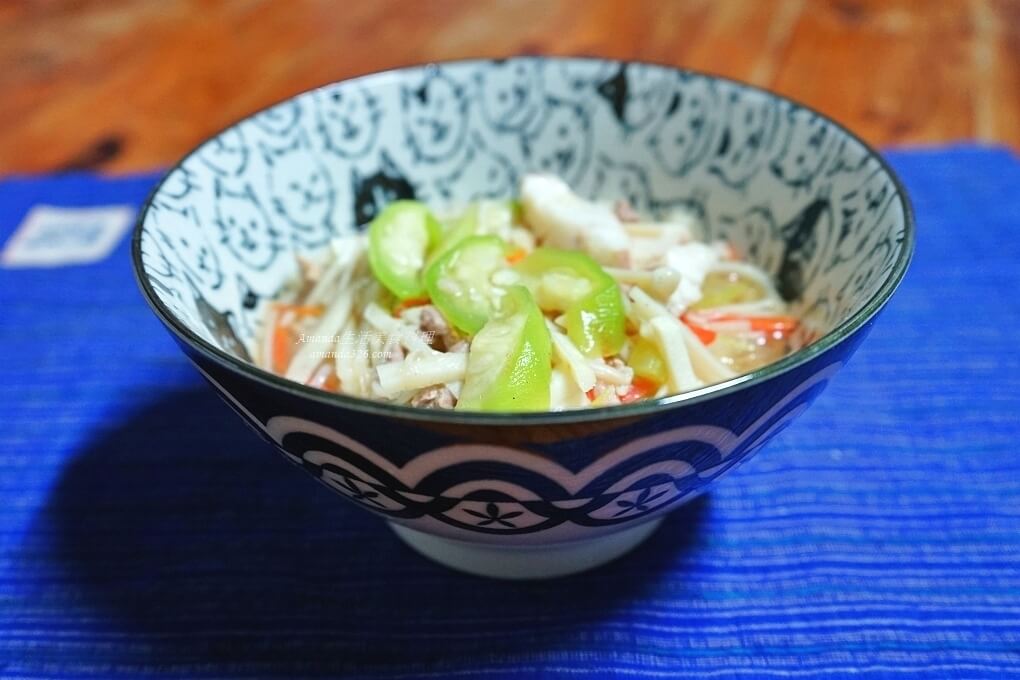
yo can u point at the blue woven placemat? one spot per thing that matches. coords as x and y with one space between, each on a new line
144 532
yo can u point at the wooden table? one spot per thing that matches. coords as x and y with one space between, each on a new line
128 85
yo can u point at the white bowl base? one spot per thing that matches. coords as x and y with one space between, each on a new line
525 562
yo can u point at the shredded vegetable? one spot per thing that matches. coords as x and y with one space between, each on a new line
553 302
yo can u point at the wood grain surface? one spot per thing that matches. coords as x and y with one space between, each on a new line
127 85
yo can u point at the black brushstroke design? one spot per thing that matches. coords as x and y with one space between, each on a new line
250 298
562 144
348 122
247 310
281 119
218 324
301 190
800 244
690 131
489 170
674 103
510 94
614 91
807 151
724 145
245 228
435 117
747 140
227 154
196 255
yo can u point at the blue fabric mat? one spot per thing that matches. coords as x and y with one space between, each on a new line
145 532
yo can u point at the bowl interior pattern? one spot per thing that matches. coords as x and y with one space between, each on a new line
804 199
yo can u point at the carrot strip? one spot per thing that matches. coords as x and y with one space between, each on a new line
409 303
645 385
640 388
766 324
516 255
283 343
301 310
772 324
706 335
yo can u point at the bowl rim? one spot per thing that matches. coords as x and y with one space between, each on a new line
829 340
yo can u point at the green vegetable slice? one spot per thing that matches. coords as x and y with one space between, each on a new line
399 240
481 218
460 281
510 360
597 324
647 362
728 288
573 283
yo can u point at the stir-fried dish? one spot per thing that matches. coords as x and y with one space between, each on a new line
549 302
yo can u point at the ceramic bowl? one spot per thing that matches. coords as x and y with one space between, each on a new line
540 494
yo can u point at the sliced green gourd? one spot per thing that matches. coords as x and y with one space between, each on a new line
399 240
576 285
510 360
727 288
481 218
460 281
647 362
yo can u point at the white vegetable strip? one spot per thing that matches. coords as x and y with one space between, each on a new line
398 398
724 326
609 374
667 333
408 335
763 307
320 376
659 282
333 320
643 307
421 370
706 365
332 288
571 359
352 364
564 392
669 338
375 346
337 273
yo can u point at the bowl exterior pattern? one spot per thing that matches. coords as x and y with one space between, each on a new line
525 484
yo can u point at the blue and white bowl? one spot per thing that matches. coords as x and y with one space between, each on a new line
539 494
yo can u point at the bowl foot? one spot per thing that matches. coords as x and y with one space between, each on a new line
525 562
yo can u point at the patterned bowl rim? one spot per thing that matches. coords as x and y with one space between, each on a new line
642 408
